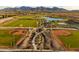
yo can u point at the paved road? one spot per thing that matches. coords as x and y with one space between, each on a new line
61 28
36 28
5 19
17 28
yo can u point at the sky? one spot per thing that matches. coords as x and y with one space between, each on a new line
67 4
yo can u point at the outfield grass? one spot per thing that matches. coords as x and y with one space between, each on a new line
71 41
7 39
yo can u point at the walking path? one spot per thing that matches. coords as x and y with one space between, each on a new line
5 19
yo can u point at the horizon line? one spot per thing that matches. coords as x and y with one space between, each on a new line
2 7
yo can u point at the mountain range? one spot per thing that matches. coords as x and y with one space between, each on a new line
25 8
45 9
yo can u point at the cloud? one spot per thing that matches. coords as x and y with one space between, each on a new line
71 7
48 3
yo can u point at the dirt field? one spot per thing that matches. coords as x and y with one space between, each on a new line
61 32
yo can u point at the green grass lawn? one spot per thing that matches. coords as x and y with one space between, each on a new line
7 39
71 41
23 21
